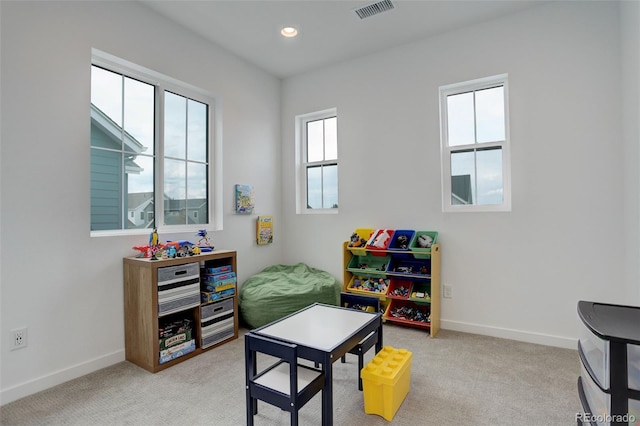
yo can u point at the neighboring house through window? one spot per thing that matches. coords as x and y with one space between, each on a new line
475 145
151 150
317 162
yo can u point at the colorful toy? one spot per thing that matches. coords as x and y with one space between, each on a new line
374 285
420 295
411 314
149 251
180 248
425 241
401 291
206 245
403 241
171 251
357 241
381 240
153 238
143 250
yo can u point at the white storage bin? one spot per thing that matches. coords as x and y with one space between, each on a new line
169 274
633 365
216 322
599 402
178 288
596 352
634 412
216 309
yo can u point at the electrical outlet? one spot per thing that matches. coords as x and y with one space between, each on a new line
447 291
19 338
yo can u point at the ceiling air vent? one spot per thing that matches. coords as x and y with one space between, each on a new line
374 9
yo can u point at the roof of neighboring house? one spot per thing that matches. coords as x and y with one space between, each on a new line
142 199
115 131
139 200
178 205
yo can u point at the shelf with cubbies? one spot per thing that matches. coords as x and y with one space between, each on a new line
177 308
401 268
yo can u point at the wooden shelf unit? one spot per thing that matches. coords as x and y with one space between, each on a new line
141 318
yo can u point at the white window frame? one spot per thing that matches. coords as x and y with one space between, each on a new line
164 83
446 150
301 162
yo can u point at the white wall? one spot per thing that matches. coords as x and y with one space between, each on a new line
630 44
63 285
517 274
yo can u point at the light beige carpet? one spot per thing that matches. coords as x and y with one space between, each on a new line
456 379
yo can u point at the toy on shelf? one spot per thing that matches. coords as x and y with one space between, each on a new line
409 269
374 285
171 249
357 241
180 248
382 267
425 241
146 251
401 291
204 245
403 242
420 295
153 238
381 240
411 314
151 252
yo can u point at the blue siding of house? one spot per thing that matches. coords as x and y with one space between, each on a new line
106 190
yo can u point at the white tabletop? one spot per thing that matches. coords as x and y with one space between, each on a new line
320 326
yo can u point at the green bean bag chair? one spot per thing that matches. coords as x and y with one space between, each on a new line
280 290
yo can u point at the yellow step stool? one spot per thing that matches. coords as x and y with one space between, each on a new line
386 380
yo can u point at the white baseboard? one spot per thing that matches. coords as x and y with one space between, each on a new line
506 333
30 387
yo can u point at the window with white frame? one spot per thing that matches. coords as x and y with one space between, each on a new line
151 140
317 154
474 131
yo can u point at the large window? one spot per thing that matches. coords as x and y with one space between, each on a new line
475 145
151 142
317 143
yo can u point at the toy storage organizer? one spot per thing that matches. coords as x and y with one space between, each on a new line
609 349
402 272
176 308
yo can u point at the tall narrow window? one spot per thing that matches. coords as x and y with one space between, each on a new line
317 143
122 149
475 145
150 151
185 160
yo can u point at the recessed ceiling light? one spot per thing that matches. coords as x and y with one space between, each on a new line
289 32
